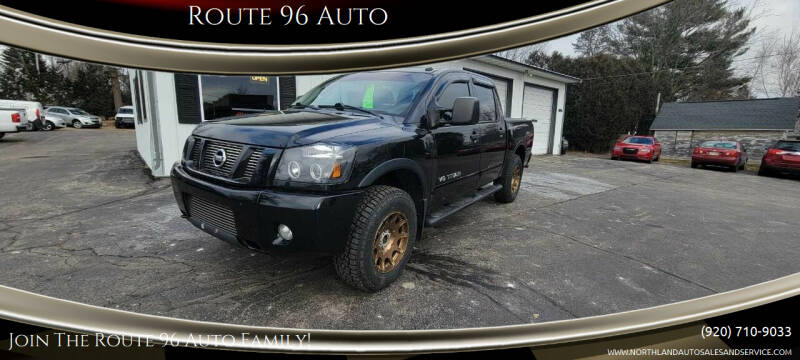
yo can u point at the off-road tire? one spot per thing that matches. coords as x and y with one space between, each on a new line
508 193
355 265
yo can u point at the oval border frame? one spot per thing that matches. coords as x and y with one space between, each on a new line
30 308
45 35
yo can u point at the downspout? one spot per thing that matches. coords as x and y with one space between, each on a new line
155 134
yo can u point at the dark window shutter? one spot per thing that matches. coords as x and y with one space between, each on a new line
288 91
187 94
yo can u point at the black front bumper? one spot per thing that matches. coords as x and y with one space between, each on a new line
319 223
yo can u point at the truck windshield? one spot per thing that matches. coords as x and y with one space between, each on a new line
389 92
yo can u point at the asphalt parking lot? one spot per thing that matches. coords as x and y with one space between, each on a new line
81 220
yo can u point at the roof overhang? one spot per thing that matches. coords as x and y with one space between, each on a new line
527 69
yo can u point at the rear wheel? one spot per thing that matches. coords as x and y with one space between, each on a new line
381 237
77 124
511 180
2 134
695 165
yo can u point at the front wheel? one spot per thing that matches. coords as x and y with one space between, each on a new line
511 180
381 237
48 126
77 124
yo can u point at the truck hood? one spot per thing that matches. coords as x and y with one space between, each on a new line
288 129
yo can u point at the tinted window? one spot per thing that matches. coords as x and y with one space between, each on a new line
485 96
237 95
126 111
719 144
788 145
451 93
638 140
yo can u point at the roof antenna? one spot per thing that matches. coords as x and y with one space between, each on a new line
428 69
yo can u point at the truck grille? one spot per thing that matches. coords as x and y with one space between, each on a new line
211 213
252 163
244 170
207 162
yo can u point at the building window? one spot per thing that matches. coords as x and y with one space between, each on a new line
237 95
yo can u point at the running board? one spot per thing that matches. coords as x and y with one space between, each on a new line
453 208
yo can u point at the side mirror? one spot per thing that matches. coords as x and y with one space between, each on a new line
465 111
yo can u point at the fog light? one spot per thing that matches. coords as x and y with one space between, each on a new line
284 232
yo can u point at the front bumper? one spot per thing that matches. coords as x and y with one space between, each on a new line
635 156
320 223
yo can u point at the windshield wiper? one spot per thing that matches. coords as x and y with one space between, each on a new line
341 107
303 106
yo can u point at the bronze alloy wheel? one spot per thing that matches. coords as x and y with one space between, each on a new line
516 179
391 241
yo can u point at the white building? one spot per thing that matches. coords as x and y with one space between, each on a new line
168 106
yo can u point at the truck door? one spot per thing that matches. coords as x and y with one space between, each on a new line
493 132
458 150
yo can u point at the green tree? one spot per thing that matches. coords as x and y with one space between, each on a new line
687 46
23 78
91 90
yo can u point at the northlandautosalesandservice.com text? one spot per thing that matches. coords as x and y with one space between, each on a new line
101 340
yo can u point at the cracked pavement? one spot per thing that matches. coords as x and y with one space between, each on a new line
82 221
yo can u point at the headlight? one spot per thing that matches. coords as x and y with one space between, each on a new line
617 148
644 150
318 163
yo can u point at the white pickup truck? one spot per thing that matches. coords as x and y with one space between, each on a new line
12 121
32 111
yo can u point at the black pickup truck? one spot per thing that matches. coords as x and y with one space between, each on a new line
355 168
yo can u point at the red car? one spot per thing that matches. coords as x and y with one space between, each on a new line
637 147
784 156
730 154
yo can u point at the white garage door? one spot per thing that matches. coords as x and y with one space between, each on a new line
537 103
502 93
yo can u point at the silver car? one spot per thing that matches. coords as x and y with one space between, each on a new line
74 117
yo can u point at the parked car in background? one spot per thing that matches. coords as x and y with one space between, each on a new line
32 110
51 122
124 117
11 121
783 157
730 154
74 117
637 147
